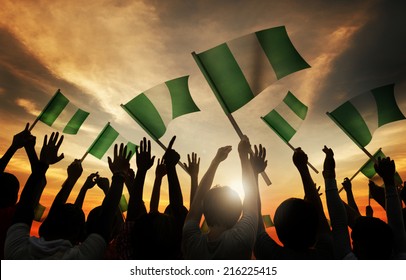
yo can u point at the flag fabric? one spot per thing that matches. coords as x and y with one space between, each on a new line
267 221
287 117
156 107
62 115
104 142
123 205
240 69
204 227
39 212
360 116
368 168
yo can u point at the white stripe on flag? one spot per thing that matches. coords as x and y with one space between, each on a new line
65 116
366 105
160 97
253 62
289 116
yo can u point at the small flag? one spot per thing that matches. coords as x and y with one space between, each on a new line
204 228
240 69
39 212
267 221
156 107
123 205
360 116
287 117
368 168
62 115
105 140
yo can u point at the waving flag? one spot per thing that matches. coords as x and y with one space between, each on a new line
240 69
267 221
360 116
287 117
105 140
156 107
62 115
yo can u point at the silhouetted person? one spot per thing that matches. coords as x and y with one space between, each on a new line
231 235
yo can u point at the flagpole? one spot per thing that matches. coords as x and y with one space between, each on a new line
43 110
151 135
225 109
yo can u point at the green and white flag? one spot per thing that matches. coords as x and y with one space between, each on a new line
368 168
287 117
62 114
104 143
240 69
267 221
156 107
360 116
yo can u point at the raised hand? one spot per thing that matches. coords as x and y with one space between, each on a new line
300 158
171 157
244 147
192 167
329 164
258 161
75 169
49 151
143 155
347 185
103 183
23 138
120 164
91 180
385 167
160 170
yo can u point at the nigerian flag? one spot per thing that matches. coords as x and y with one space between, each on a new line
62 115
123 204
155 108
368 168
360 116
267 221
240 69
105 140
287 117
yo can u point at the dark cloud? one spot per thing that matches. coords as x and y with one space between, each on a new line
23 76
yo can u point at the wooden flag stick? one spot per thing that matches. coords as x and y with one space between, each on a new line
308 163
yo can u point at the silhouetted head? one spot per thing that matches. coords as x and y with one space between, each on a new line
9 187
154 237
296 222
222 207
66 221
93 222
372 239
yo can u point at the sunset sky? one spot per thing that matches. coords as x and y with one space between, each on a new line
104 53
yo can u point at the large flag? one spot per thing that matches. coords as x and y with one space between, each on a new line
62 115
105 140
368 168
360 116
240 69
287 117
156 107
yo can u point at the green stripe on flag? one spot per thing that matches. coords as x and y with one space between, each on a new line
267 221
53 109
131 147
123 205
388 110
296 105
352 123
278 124
103 142
144 113
182 102
280 51
222 68
39 212
75 122
204 228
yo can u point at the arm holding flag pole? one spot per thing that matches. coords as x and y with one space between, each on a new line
225 109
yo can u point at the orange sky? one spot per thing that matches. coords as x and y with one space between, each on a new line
103 53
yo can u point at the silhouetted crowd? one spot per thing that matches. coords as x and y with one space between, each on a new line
235 228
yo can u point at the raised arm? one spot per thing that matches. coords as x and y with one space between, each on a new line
350 196
311 193
160 172
192 167
144 161
35 183
89 183
119 166
386 169
335 207
196 210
